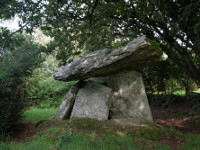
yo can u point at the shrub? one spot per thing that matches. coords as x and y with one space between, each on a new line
17 61
166 77
41 88
10 113
165 100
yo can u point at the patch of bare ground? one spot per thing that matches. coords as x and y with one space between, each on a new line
174 144
23 131
171 117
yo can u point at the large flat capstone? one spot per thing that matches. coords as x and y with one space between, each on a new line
92 101
106 62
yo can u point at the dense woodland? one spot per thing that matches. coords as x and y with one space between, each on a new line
53 32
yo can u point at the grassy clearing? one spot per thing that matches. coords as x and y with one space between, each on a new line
35 114
74 135
83 141
39 142
64 137
197 91
179 93
182 93
87 134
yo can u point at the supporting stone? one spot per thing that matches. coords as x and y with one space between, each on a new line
129 98
92 101
66 106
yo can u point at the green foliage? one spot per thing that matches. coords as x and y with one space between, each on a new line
167 84
165 100
157 76
193 101
17 61
86 25
176 99
10 110
165 77
41 88
93 27
156 46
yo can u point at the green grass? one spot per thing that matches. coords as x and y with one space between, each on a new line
182 93
192 142
179 93
64 137
59 138
82 141
88 134
197 91
35 114
40 142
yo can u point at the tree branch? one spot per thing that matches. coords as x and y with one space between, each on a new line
92 12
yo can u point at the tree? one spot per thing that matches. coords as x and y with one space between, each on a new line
165 76
18 58
97 24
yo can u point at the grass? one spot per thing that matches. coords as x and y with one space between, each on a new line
192 142
83 141
35 114
178 93
87 134
40 142
197 91
61 138
182 93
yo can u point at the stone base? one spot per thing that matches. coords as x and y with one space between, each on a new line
123 97
92 101
129 98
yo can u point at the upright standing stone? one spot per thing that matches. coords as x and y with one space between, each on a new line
66 106
92 101
129 98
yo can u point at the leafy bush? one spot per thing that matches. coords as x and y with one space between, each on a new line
10 110
166 77
165 100
17 61
41 88
193 101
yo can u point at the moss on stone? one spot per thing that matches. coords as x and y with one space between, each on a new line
155 45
